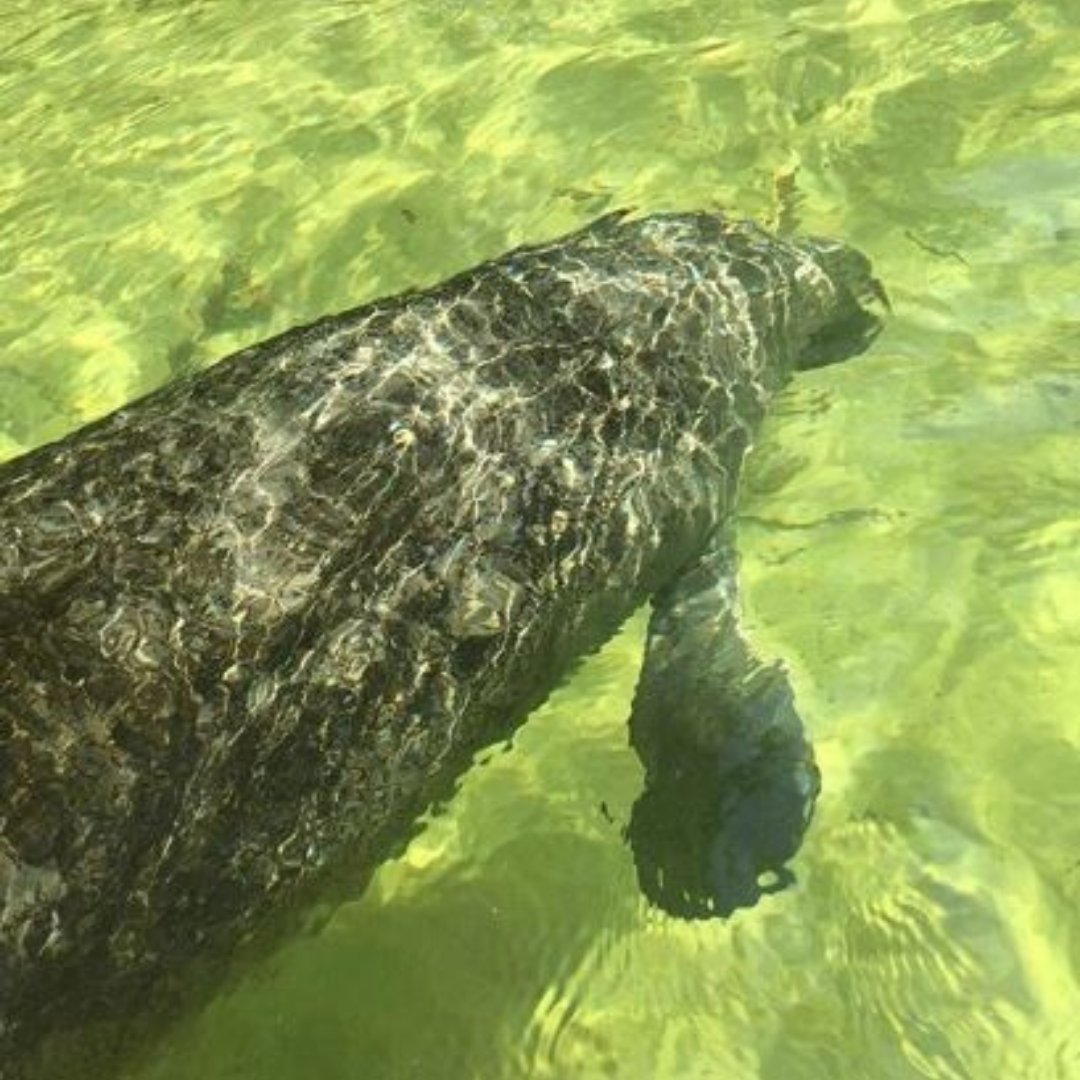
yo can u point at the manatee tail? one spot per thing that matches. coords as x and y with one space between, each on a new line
730 780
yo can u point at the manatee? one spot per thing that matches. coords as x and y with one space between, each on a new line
251 624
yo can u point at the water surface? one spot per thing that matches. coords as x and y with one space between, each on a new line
179 180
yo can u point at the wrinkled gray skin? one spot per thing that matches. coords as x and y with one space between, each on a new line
255 620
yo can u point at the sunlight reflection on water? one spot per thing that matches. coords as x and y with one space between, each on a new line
186 180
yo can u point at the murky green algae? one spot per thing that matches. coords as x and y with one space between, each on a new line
181 180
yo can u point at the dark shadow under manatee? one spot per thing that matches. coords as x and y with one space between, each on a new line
712 833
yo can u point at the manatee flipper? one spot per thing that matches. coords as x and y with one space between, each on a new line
730 779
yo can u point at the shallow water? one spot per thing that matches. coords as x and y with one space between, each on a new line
180 180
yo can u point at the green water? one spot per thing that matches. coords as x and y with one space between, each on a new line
179 179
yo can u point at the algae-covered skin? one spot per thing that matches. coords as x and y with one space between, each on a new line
250 623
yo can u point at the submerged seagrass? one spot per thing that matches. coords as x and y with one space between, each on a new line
252 621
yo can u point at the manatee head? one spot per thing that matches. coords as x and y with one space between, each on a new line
847 296
688 285
797 303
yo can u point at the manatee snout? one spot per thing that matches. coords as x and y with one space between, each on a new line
858 298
